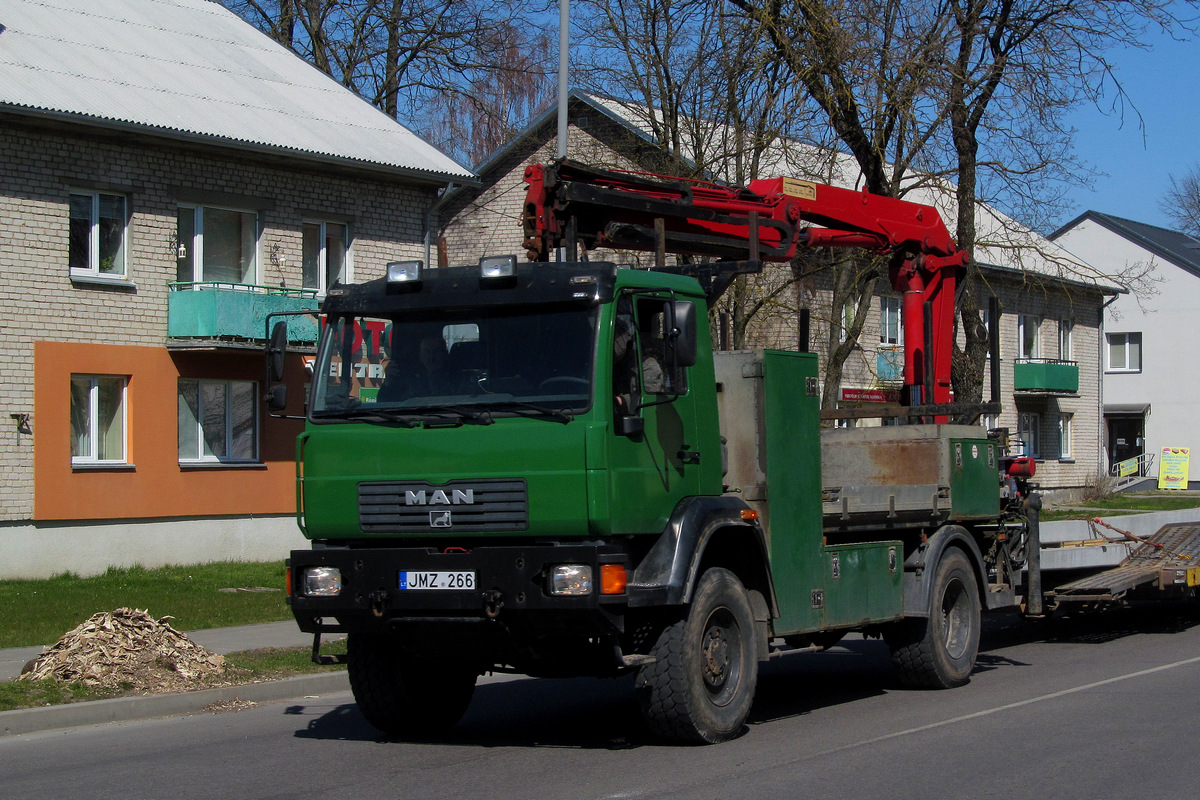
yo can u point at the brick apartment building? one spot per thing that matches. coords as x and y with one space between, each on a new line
155 205
1050 301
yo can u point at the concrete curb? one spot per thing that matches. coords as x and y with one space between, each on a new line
125 709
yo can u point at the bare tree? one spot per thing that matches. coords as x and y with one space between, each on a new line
973 91
1182 202
462 72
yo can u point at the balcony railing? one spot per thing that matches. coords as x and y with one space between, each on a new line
889 363
1045 376
235 311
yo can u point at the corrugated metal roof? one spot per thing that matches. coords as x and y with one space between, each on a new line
192 69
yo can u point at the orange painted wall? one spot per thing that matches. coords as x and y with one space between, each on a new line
156 486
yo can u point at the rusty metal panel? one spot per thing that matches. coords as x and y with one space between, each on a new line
740 408
896 455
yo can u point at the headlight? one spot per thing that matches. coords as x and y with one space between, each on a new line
571 580
321 581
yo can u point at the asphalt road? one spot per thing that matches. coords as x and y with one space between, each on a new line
1106 709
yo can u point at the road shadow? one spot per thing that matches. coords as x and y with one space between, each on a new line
1091 627
577 713
602 713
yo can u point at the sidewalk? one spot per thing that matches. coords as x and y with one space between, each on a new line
217 640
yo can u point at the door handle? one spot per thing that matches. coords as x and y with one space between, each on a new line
687 456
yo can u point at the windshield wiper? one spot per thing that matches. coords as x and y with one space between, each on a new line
520 405
384 414
462 414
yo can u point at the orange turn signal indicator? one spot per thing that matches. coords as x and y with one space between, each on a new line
612 579
749 514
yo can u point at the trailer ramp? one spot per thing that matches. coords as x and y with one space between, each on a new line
1168 563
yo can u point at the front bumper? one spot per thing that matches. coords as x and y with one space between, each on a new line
510 583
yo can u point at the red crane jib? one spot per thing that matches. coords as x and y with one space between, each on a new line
571 204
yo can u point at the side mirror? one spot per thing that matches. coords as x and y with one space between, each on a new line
277 397
684 324
277 351
631 426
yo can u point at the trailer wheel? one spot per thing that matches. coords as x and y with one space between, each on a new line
701 685
406 697
939 652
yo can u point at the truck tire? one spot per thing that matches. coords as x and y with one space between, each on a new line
402 696
701 684
939 652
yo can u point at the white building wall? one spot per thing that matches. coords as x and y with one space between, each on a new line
1167 318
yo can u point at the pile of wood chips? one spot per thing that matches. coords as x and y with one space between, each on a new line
128 649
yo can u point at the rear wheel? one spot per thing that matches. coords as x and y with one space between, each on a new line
701 684
404 696
939 652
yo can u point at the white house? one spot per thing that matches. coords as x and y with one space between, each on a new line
1151 336
168 176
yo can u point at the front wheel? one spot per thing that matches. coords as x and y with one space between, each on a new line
939 652
701 685
404 696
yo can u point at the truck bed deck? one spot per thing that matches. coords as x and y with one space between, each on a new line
1168 561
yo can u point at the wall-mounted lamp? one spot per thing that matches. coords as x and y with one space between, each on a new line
23 427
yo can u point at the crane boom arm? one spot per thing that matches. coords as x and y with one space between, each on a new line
574 205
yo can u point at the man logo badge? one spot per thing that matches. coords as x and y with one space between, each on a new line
439 519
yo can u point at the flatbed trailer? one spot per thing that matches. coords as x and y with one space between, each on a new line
1166 564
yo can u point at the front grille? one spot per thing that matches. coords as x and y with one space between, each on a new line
417 507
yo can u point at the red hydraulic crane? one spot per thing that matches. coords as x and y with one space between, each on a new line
568 204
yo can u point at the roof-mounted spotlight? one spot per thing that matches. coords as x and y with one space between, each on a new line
404 271
497 267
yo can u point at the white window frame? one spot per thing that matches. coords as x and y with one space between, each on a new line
196 246
92 457
1025 324
1029 431
323 255
989 421
1066 345
93 271
1065 424
1111 345
891 307
198 431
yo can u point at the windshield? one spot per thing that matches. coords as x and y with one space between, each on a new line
467 364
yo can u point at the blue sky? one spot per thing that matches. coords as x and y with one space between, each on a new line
1164 85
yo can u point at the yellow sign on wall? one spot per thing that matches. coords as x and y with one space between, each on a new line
1173 468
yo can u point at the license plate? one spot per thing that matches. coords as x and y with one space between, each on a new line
437 580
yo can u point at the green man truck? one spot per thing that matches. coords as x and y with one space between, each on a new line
542 467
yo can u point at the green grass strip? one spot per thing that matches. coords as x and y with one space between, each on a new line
39 612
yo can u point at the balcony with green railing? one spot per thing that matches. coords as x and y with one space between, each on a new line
1045 376
235 312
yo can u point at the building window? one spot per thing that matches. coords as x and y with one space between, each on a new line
218 421
1064 435
1028 341
1124 352
891 333
1029 429
97 235
98 419
326 255
1065 348
217 245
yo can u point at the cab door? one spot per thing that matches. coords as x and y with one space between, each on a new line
651 470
